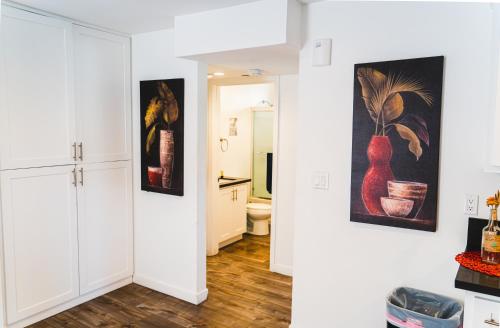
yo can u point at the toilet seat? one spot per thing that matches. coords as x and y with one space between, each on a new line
258 206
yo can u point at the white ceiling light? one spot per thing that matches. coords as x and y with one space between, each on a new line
209 76
219 74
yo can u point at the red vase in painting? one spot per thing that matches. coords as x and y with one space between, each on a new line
379 172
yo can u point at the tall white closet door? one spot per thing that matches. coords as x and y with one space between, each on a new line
37 123
102 73
40 239
104 223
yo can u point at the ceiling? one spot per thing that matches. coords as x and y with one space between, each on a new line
130 16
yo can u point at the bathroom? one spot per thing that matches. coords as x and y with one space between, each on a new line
242 130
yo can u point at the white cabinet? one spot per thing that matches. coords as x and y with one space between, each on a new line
67 232
481 311
492 119
65 163
39 214
239 210
102 87
223 218
65 93
495 149
104 224
231 217
37 116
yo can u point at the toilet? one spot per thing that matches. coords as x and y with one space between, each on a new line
259 216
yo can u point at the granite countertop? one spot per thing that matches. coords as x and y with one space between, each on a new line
477 282
231 181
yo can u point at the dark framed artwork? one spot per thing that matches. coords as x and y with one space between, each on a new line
162 136
396 142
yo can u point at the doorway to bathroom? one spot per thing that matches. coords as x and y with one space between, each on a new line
241 161
250 189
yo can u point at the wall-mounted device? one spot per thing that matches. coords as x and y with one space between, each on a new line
233 129
322 52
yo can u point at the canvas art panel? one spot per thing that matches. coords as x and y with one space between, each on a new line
162 136
396 142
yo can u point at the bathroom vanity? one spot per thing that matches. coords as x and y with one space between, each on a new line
231 213
482 292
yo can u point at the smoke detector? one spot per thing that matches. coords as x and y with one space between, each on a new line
255 72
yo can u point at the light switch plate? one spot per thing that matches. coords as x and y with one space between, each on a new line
320 180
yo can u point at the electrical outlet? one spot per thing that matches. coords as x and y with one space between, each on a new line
471 202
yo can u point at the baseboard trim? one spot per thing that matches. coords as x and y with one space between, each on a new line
281 269
63 307
180 293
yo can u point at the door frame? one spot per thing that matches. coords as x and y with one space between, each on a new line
212 187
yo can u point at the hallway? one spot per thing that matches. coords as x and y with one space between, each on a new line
242 293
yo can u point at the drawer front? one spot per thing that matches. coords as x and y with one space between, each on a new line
486 313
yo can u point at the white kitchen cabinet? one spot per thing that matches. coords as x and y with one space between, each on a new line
39 213
102 93
231 217
481 311
37 115
104 224
492 119
495 149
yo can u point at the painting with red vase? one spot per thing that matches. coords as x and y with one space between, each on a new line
396 142
162 136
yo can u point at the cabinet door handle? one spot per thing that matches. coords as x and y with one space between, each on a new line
81 150
74 151
236 190
74 177
81 176
492 322
232 195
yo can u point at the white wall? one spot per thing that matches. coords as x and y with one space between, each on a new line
343 270
261 23
264 34
284 198
236 101
169 230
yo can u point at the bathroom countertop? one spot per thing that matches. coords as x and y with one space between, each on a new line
477 282
232 181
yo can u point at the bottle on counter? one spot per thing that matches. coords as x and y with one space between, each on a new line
490 245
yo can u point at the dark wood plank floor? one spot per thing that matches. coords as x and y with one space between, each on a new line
242 293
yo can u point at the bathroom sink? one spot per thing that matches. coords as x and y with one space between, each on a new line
231 181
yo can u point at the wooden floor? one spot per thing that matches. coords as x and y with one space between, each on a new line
242 293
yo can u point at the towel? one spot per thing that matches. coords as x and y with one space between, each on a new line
269 173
